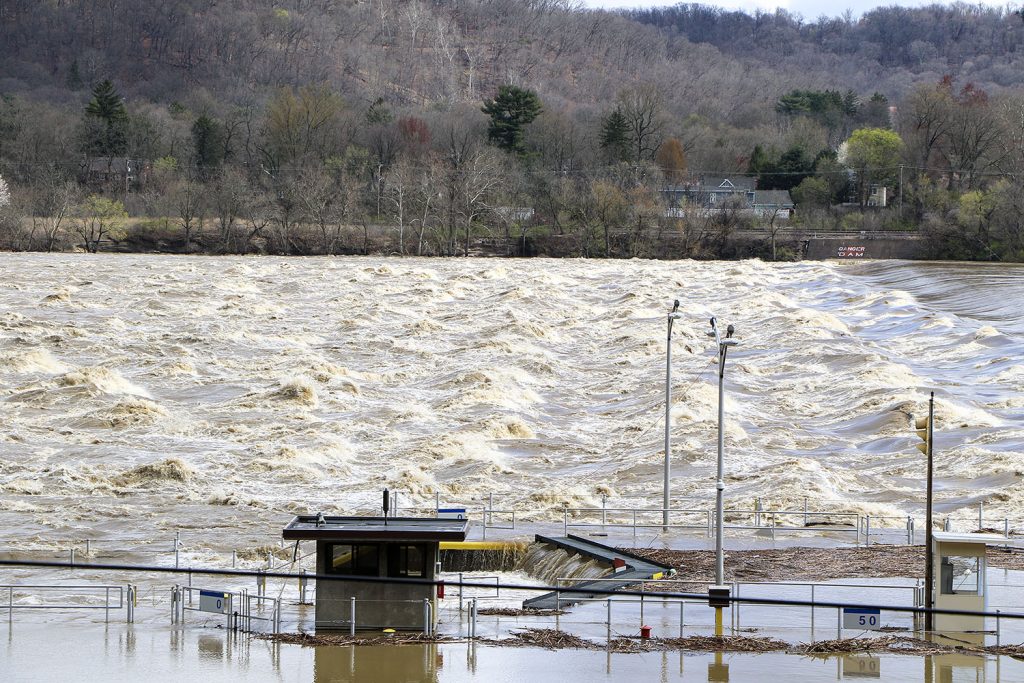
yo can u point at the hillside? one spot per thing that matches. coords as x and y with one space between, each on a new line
363 94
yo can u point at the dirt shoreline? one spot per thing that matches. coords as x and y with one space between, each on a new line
811 564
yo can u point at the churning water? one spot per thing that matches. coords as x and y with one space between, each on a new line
140 393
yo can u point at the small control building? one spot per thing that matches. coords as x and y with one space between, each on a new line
959 566
364 547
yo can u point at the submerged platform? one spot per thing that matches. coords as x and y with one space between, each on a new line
636 569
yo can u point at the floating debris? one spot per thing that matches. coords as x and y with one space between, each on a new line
518 612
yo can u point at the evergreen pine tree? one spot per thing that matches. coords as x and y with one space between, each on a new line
614 137
511 112
106 122
208 142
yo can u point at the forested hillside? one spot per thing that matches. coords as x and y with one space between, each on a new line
251 124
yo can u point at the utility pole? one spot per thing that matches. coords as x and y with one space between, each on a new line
925 430
672 316
719 593
901 192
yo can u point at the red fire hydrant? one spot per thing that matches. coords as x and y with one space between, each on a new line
645 632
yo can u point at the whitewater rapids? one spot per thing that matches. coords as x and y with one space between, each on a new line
144 393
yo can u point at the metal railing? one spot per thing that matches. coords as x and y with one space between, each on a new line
86 592
352 624
862 528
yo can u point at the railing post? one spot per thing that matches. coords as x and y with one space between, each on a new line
608 619
472 619
177 543
709 523
130 605
88 547
106 605
947 526
981 515
634 523
642 603
302 587
234 558
72 555
460 595
805 510
997 628
910 539
757 511
604 511
565 519
352 618
682 616
426 617
867 530
270 560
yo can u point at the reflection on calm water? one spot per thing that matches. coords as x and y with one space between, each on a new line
418 663
955 669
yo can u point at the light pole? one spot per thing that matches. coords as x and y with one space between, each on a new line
723 348
672 316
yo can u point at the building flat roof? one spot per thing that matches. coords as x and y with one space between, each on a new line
305 527
955 537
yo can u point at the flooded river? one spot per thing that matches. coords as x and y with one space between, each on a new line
148 393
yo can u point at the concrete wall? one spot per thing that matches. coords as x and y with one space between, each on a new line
856 248
378 605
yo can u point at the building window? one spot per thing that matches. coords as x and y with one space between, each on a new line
353 560
960 575
407 560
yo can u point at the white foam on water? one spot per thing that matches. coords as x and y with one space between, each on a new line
180 385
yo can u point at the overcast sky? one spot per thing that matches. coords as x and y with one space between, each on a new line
808 8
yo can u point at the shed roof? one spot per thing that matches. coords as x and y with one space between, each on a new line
952 537
773 198
305 527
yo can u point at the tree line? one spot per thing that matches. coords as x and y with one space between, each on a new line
319 127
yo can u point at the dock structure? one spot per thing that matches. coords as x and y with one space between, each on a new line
633 569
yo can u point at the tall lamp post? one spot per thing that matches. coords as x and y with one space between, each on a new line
672 317
720 590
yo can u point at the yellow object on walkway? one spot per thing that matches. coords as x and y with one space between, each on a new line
478 545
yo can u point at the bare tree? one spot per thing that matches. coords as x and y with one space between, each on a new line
641 105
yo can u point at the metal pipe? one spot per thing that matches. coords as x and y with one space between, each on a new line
608 618
352 618
668 416
472 620
929 563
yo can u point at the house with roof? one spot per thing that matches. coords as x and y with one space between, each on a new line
715 193
114 172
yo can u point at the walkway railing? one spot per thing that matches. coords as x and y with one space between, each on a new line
16 594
